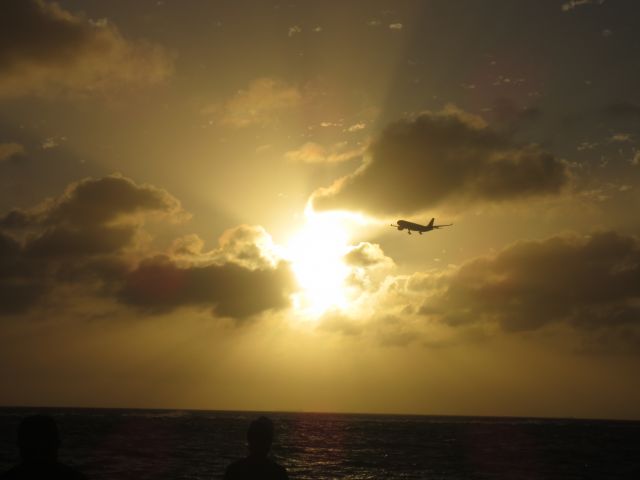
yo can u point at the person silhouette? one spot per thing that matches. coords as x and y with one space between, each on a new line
38 441
257 465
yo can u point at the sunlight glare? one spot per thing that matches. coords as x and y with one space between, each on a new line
316 253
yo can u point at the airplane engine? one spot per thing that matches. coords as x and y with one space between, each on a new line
400 228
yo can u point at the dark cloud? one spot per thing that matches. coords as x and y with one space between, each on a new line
85 241
160 285
432 158
92 218
46 50
241 278
105 200
591 283
62 241
94 202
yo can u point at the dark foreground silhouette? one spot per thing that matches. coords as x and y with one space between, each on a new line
39 441
257 466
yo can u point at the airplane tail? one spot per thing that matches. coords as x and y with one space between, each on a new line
430 224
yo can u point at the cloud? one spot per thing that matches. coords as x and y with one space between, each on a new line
395 26
586 146
621 137
93 217
312 152
571 4
450 156
356 127
263 100
96 202
8 150
89 243
330 124
64 241
366 254
294 30
47 50
591 283
370 266
52 142
586 287
249 246
159 285
243 277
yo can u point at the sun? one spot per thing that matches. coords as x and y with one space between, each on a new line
316 253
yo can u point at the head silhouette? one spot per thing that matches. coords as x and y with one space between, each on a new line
260 437
38 439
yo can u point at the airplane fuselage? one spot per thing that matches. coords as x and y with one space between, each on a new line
416 227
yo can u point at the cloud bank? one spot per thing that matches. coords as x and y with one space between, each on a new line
159 285
590 283
584 290
47 50
89 243
450 156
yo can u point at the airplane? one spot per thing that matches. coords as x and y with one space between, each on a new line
416 227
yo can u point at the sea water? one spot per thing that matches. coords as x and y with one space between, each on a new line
167 444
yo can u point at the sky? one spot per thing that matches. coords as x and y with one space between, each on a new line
196 199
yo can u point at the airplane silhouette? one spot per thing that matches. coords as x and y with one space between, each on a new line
416 227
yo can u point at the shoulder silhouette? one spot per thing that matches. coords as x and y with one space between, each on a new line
38 441
257 465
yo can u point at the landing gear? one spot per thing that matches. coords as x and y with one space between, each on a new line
409 232
420 233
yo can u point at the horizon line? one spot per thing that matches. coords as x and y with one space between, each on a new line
309 412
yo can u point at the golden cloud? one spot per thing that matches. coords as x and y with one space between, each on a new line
46 50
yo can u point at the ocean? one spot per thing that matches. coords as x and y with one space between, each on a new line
168 444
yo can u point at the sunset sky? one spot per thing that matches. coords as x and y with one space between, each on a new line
196 199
